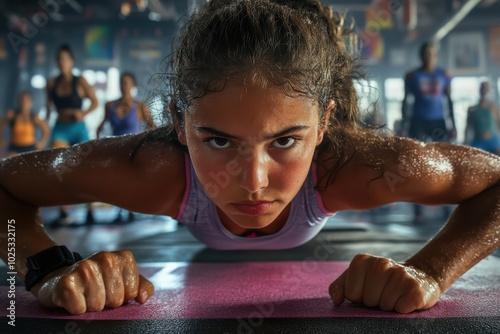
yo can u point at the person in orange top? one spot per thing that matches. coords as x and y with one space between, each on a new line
23 125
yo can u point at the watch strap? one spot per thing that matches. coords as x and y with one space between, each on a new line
43 263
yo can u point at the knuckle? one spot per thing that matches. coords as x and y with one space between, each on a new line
131 292
370 301
95 306
126 255
418 297
404 308
362 257
101 256
108 263
384 306
88 270
352 296
115 302
66 295
66 284
76 308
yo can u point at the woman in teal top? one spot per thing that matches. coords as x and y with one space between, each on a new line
483 122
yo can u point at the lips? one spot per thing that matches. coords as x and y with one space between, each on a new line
253 208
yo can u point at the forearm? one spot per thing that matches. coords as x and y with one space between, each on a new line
47 115
472 233
27 235
452 112
92 107
404 115
45 137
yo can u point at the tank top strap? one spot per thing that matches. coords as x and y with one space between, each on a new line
74 84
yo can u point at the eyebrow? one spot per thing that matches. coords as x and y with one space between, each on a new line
278 134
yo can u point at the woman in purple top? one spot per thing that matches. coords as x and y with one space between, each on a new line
126 115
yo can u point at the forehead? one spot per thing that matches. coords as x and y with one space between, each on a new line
430 49
127 78
253 103
64 54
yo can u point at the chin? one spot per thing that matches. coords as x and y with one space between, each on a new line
253 222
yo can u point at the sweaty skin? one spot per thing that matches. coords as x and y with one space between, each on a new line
272 137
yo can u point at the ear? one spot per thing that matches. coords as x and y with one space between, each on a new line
325 121
181 136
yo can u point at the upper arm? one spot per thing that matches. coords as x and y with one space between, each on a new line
407 90
107 109
48 89
9 115
496 112
100 170
407 82
89 91
40 123
403 170
447 89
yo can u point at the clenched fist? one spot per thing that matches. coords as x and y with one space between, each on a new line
379 282
106 279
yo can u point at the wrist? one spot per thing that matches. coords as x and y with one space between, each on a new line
46 262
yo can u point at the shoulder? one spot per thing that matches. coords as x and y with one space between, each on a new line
110 104
36 119
370 164
410 75
444 71
50 83
81 80
9 116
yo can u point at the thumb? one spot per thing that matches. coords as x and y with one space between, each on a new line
337 289
146 290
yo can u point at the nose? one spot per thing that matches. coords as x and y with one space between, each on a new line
254 176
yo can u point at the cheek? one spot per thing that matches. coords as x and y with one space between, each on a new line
290 175
212 171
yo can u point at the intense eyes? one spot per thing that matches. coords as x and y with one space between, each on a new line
221 143
284 142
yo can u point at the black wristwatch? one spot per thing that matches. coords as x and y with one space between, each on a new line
43 263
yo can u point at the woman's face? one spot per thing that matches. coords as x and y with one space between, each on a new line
251 148
25 102
64 61
126 85
484 89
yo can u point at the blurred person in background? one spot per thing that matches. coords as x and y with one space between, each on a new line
483 123
23 124
66 93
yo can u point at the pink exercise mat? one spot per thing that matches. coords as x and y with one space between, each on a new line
256 290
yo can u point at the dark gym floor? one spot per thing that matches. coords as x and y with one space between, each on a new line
201 290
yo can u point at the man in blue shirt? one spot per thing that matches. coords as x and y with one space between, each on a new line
430 87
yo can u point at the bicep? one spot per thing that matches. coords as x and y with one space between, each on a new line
432 174
88 90
39 122
6 119
48 90
98 170
437 173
